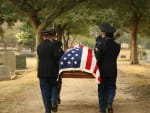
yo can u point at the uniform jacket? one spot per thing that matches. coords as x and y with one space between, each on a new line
49 54
106 53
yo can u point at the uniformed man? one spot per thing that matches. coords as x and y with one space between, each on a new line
49 53
106 52
58 53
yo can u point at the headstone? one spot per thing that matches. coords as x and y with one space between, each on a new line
5 73
148 56
20 62
9 59
1 59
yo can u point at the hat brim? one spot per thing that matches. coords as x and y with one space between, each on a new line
49 32
106 27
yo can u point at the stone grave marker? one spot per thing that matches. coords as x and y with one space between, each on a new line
1 59
5 73
9 59
20 62
148 56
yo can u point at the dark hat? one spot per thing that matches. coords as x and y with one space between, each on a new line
106 27
49 32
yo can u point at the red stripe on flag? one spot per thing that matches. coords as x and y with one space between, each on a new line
96 68
89 59
99 78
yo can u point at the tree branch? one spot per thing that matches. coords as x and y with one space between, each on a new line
61 9
29 10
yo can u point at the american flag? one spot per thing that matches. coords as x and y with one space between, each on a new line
80 58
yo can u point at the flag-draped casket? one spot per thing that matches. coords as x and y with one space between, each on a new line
79 62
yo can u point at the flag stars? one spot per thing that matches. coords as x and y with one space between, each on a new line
76 55
65 58
75 62
69 54
72 58
72 51
68 62
61 63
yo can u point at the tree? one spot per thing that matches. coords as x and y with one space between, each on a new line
71 24
134 13
79 20
41 14
26 37
133 16
7 15
8 38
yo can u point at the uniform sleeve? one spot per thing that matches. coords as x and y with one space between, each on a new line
58 51
98 50
39 52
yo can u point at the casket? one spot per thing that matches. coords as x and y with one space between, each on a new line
76 74
79 62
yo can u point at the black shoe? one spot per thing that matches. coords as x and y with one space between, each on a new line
58 101
102 111
110 108
54 107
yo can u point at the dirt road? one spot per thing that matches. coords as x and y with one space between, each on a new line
22 95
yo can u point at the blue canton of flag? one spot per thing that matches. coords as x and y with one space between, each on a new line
71 59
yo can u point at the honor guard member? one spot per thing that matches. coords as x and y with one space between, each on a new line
106 52
48 59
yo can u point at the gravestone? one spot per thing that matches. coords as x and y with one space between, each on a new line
148 56
9 59
20 62
1 59
5 73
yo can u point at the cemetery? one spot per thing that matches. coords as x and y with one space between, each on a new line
74 56
9 63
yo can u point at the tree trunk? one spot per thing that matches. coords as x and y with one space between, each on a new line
38 38
66 40
134 28
38 32
65 43
60 32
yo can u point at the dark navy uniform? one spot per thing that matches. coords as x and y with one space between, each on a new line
98 48
107 57
58 53
49 52
106 52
